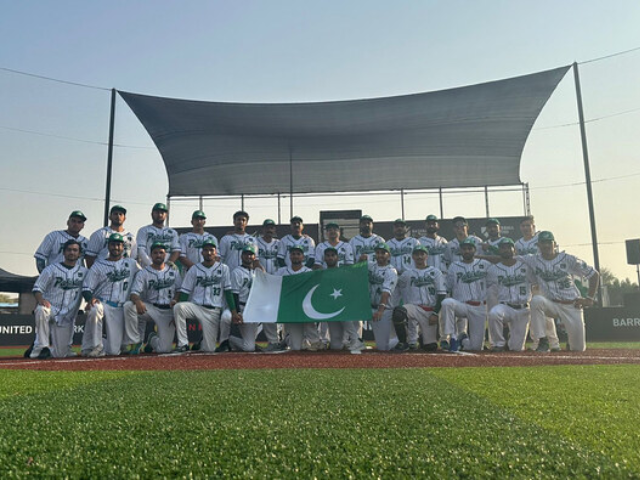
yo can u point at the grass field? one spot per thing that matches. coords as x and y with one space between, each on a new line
552 422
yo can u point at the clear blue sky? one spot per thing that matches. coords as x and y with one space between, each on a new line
288 51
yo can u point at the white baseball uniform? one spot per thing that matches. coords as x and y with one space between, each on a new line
513 288
419 289
156 289
51 249
61 287
365 245
288 241
382 279
241 282
205 287
401 253
267 254
151 234
110 282
345 253
452 252
299 333
559 292
99 240
436 248
527 247
231 246
467 284
191 245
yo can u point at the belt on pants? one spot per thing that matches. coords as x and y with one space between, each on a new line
426 308
111 304
516 306
564 302
209 307
162 307
474 304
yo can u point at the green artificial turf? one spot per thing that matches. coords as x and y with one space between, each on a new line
396 423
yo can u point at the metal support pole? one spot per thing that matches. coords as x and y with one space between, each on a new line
112 121
441 203
486 199
528 199
200 203
587 174
242 201
168 208
290 183
279 211
402 201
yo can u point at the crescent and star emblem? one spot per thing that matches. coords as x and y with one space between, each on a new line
312 313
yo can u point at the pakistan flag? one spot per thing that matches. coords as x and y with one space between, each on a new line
333 295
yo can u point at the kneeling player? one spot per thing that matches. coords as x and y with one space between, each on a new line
241 282
422 290
382 282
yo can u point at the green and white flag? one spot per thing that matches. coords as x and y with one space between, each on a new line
333 295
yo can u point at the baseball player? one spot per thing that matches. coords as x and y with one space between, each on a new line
267 255
382 282
512 279
206 283
466 280
157 233
422 290
364 244
560 297
152 299
241 282
436 245
461 230
191 242
50 250
58 296
300 336
339 331
494 233
344 250
106 289
528 244
297 239
232 244
98 241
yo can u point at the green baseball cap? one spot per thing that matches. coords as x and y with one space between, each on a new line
492 220
431 218
506 241
383 246
331 225
118 208
366 218
198 214
296 247
209 242
420 248
400 220
155 245
468 241
160 206
330 249
249 248
115 237
268 222
546 236
296 219
79 214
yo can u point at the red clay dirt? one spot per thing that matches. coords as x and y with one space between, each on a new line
326 359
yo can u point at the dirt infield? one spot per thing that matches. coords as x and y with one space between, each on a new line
367 359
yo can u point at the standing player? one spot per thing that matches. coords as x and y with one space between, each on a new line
494 232
206 283
364 245
50 250
232 244
528 244
422 290
382 282
436 245
297 239
560 297
299 335
344 250
105 290
341 330
157 233
466 280
98 240
241 282
512 279
461 230
151 299
58 297
191 242
267 255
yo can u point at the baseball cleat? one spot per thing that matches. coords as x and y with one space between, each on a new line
555 348
497 349
430 347
444 345
180 349
357 346
196 346
400 347
44 354
27 352
414 346
274 347
134 349
96 352
453 345
223 347
148 348
543 345
463 341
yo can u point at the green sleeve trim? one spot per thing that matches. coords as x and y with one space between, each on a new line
231 302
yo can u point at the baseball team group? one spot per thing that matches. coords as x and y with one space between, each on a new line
426 294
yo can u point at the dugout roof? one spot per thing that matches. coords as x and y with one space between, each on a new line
463 137
10 282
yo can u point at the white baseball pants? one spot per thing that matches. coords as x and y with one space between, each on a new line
518 321
572 317
419 316
163 318
50 334
476 317
113 319
209 318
